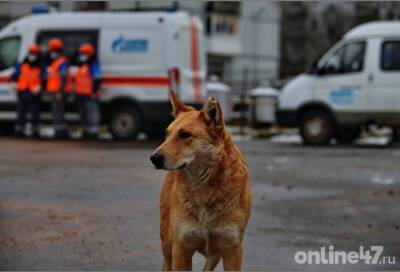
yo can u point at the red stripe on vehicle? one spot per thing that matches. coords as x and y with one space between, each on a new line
194 52
144 81
154 81
4 79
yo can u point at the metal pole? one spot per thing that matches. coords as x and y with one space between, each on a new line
242 101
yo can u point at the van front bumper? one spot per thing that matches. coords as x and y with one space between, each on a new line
286 118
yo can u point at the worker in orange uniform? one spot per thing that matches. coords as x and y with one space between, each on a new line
87 90
28 77
57 76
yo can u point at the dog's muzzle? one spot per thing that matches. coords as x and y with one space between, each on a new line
158 160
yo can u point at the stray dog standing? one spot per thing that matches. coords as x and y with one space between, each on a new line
205 199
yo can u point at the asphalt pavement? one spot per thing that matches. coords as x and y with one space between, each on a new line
74 205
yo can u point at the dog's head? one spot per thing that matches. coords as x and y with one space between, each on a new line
193 136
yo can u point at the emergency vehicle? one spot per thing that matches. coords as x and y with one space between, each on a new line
354 84
141 55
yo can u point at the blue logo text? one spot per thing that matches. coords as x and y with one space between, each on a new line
122 45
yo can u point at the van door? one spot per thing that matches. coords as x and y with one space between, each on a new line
384 99
342 82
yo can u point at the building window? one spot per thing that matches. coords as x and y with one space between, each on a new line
223 7
222 18
91 5
217 65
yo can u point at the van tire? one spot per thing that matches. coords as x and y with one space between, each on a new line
348 134
316 127
124 122
7 128
156 134
395 134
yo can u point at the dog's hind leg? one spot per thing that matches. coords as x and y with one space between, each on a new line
211 262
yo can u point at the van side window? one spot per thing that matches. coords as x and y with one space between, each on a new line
390 56
353 57
347 59
72 40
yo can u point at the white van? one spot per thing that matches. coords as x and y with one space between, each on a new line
355 83
141 54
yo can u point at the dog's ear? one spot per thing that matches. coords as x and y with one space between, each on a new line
177 104
212 113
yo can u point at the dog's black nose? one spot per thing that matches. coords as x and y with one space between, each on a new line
157 160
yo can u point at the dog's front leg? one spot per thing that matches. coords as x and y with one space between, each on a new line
181 257
211 263
232 258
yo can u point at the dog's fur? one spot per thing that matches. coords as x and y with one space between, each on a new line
205 199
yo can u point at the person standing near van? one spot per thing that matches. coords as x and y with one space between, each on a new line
28 78
57 76
87 90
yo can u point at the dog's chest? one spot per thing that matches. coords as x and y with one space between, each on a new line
205 234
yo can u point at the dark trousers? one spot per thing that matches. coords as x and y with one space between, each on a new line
28 103
89 112
57 109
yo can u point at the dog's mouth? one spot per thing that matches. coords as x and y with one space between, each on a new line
182 166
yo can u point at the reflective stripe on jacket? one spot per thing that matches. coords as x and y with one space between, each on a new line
29 78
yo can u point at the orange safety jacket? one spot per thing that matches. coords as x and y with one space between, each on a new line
54 77
29 78
83 80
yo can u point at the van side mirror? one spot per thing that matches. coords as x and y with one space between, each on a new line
317 70
320 71
314 66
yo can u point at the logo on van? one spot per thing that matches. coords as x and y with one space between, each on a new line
122 45
342 96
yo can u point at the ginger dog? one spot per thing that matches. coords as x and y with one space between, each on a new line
205 200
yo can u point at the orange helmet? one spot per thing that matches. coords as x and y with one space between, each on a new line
34 49
86 49
55 44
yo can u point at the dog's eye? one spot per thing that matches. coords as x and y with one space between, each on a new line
184 135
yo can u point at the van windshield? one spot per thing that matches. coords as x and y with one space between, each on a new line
9 49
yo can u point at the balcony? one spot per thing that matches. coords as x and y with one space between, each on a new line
223 34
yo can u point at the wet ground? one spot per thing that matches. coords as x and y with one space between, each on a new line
94 206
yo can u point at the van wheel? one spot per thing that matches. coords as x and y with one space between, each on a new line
347 134
7 128
316 127
395 134
156 133
124 123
